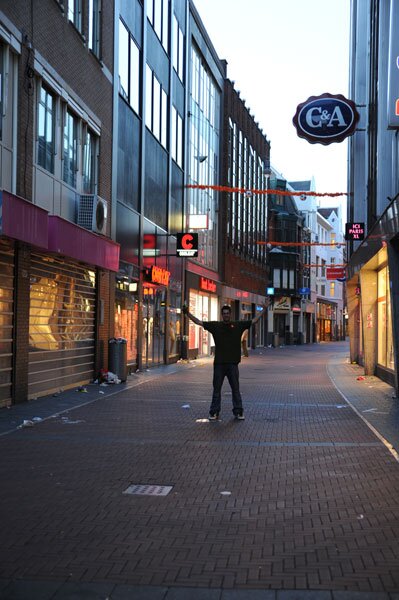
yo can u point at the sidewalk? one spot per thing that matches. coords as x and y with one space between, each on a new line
299 501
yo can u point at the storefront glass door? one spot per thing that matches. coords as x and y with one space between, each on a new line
153 326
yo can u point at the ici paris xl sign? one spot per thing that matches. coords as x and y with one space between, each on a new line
325 119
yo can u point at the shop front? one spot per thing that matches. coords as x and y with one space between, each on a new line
154 313
127 311
203 296
326 321
53 293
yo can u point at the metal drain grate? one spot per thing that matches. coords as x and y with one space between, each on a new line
148 490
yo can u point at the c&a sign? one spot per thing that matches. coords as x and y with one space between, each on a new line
325 119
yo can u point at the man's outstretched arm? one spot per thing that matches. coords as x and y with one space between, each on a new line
265 306
191 316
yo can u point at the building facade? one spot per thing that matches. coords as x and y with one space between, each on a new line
243 230
372 287
57 258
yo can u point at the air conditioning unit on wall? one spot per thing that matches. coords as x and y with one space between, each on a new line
92 213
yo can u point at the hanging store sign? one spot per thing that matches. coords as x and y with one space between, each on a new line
335 273
187 244
157 275
326 119
354 231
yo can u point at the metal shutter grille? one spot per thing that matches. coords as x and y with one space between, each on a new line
61 324
6 321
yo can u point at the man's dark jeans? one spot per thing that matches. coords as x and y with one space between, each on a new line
220 371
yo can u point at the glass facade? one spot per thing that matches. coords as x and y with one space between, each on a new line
204 154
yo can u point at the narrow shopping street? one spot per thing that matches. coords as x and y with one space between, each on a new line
302 495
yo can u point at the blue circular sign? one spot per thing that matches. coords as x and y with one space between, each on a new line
325 119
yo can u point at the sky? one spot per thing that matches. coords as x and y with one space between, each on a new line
279 53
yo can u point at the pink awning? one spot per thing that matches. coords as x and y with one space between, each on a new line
22 220
76 242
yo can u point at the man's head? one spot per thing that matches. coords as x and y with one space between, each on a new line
226 313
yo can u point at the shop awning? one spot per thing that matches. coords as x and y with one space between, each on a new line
76 242
21 220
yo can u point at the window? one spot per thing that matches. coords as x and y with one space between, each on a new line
45 130
178 49
323 290
89 162
94 26
156 107
70 149
177 137
129 68
2 87
158 16
332 289
75 13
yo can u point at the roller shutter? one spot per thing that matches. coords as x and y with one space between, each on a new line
61 324
6 321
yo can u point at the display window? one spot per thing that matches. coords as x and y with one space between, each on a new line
385 355
126 317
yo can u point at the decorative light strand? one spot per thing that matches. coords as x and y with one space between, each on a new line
337 244
225 188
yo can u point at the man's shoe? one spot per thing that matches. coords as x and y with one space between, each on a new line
240 417
213 416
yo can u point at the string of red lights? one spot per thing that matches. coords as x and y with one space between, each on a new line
225 188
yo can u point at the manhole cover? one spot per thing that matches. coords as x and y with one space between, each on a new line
148 490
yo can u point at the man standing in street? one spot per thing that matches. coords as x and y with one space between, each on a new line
227 336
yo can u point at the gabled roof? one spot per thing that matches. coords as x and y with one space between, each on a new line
326 212
301 186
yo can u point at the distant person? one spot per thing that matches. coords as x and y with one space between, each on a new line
244 343
227 336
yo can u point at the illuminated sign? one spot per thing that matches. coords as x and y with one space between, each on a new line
157 275
325 119
393 67
207 285
150 245
187 244
335 273
354 231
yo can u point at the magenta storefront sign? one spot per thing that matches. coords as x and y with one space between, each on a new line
71 240
21 220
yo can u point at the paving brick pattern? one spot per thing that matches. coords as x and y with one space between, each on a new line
310 496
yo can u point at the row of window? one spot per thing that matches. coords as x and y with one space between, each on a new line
156 97
89 21
79 144
247 219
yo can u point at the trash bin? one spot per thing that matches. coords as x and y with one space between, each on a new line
276 340
117 357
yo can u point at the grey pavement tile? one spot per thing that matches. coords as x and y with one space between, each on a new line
84 591
138 592
303 595
30 590
248 595
346 595
188 593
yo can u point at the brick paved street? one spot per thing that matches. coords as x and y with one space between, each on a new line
302 495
